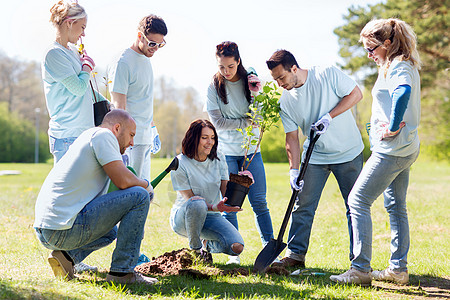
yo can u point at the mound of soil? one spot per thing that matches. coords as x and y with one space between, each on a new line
179 262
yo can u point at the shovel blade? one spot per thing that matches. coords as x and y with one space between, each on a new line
267 255
173 165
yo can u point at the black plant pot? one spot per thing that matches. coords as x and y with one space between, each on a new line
236 194
100 110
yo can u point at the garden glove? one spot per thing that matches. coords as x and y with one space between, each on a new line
254 84
293 174
383 131
87 60
156 146
325 121
248 174
150 190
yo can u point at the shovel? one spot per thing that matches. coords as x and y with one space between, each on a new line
172 167
275 247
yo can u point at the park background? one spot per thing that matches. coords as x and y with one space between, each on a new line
321 32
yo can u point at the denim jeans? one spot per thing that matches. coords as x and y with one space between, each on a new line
96 227
140 159
59 147
193 221
256 195
387 175
306 204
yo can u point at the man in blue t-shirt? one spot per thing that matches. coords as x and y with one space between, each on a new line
74 216
313 97
131 87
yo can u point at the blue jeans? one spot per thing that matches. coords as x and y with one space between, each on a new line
306 204
193 221
387 175
256 195
59 147
96 227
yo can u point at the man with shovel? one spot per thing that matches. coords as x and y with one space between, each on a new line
320 98
75 216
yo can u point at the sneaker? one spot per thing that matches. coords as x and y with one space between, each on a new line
277 260
233 260
353 276
82 267
61 266
288 262
391 275
142 259
131 278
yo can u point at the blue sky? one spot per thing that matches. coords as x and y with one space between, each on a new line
258 27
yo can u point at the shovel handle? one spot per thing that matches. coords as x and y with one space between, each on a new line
313 139
160 177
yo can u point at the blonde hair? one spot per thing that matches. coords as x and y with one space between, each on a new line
403 39
63 10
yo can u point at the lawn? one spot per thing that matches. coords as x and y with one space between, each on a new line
25 273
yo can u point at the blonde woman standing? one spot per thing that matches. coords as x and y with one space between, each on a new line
391 43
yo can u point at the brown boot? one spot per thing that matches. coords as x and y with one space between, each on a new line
288 262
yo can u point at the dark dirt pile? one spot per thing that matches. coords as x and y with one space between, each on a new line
179 262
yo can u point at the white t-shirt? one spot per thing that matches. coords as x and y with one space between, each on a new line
203 178
76 179
407 141
231 140
131 74
70 115
300 107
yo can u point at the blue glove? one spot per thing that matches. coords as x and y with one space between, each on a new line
156 146
325 121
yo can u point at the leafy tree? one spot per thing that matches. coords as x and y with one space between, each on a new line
430 20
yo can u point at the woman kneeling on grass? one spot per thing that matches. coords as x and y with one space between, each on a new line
200 182
394 142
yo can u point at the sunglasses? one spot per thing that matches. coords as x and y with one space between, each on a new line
152 44
370 50
226 46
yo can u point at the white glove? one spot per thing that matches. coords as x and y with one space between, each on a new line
293 174
156 145
325 121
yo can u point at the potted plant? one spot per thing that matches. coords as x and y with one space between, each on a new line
264 113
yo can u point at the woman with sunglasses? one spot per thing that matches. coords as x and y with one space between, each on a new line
229 97
200 182
65 74
391 43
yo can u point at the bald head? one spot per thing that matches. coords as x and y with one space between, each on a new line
116 116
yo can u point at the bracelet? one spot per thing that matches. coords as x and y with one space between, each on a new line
148 183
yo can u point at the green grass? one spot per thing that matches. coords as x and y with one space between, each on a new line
25 273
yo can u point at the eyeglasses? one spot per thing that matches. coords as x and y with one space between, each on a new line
371 50
152 44
226 46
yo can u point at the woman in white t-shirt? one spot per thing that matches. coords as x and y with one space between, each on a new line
391 43
65 74
200 182
229 97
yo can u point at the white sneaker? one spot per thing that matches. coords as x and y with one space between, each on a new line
391 275
278 260
233 260
353 276
82 267
132 278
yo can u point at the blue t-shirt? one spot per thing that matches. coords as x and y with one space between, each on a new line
131 74
70 115
202 177
322 91
76 179
231 140
407 141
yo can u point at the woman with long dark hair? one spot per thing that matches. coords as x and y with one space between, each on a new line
229 97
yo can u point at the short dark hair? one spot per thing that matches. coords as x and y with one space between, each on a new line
152 24
284 58
191 139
